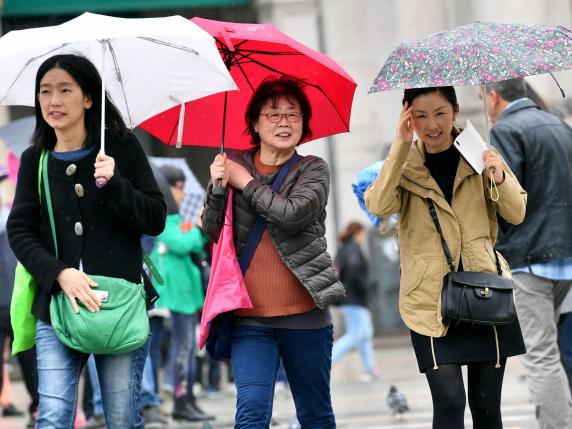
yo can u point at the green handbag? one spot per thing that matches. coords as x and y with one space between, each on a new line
121 325
21 318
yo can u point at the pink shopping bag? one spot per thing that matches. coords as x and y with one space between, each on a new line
226 290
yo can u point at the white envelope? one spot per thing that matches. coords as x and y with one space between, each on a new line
471 146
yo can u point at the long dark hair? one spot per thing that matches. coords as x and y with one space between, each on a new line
88 79
446 91
270 89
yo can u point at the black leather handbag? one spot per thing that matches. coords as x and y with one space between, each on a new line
474 297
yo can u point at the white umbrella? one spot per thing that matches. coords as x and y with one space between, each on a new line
147 65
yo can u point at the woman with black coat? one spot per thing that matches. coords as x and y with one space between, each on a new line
98 231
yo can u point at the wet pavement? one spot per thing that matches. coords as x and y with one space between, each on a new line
357 403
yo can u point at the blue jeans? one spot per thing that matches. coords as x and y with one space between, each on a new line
255 358
148 396
183 351
157 327
359 334
95 387
59 369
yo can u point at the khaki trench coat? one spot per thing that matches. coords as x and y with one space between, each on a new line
469 226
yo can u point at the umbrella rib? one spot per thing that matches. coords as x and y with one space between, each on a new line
273 53
171 45
319 88
30 61
239 65
120 79
260 63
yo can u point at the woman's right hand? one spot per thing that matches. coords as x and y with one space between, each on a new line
77 285
219 170
404 130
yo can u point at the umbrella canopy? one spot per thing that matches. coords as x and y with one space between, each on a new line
252 52
17 135
194 192
15 138
476 54
147 64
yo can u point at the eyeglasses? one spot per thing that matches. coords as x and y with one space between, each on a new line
277 117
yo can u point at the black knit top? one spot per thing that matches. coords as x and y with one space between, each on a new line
443 168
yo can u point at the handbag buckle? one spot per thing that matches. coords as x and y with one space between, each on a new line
484 292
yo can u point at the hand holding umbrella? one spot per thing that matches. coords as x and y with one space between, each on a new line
219 170
104 169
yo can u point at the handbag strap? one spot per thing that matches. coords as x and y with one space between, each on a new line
260 223
153 271
450 260
43 169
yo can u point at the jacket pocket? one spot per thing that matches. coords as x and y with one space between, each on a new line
412 273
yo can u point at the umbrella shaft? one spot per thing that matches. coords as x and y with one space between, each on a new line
102 122
223 122
488 137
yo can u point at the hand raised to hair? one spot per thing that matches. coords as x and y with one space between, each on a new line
404 130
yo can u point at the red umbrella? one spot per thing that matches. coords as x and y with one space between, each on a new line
253 52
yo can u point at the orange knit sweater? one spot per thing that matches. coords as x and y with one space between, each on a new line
273 288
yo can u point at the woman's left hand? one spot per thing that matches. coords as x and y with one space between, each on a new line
239 176
104 166
493 162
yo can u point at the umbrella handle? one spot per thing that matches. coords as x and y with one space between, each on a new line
218 190
100 182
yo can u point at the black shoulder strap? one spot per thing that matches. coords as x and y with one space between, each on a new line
446 250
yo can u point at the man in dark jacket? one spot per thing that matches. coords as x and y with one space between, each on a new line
537 146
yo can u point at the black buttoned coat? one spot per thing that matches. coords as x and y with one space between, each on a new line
100 227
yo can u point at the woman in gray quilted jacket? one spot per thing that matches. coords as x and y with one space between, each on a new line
290 278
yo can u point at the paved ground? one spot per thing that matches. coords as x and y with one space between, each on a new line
358 404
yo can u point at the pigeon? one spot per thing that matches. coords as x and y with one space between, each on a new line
397 402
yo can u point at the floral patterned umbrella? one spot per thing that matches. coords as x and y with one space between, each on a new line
476 54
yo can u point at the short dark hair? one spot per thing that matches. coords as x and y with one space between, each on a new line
271 89
172 174
89 80
509 90
446 91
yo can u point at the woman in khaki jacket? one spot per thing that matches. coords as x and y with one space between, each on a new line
431 168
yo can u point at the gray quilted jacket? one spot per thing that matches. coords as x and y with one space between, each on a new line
295 215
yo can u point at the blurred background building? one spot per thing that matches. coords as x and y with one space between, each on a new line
359 35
